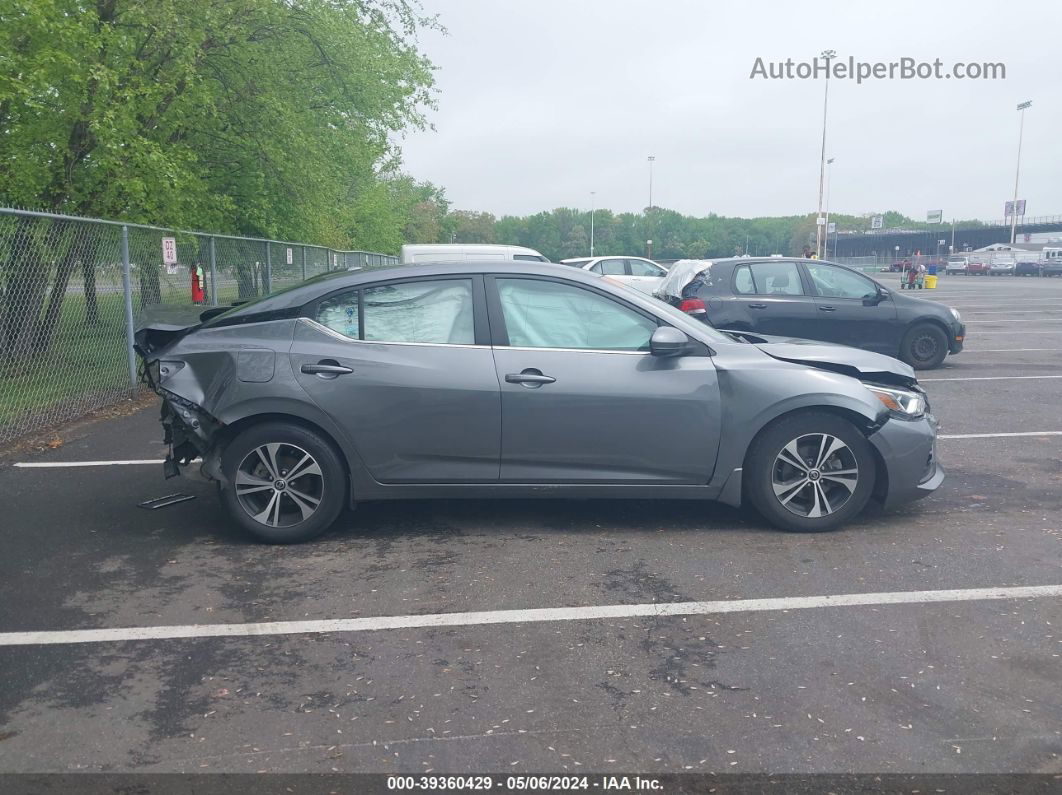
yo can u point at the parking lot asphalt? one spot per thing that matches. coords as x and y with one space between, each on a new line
919 686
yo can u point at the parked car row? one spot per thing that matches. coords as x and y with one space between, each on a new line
998 265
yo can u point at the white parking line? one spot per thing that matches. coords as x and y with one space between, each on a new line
1006 350
982 333
57 464
527 616
989 378
997 435
1021 320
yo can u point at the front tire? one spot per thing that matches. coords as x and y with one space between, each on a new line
809 472
924 346
285 483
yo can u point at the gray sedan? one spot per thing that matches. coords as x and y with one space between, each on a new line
525 380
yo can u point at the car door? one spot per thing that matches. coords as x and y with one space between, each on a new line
844 318
766 297
644 275
398 367
583 400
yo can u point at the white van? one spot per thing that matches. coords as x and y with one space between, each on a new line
465 252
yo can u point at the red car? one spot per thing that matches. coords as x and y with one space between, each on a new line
977 267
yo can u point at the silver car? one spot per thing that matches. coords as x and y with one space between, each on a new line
527 380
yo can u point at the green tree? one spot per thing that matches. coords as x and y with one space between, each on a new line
260 117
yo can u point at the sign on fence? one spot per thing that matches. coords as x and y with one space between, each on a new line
290 260
169 251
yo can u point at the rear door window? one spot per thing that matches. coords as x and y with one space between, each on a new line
776 278
610 267
436 311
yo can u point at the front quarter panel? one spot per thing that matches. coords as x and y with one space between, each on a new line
757 389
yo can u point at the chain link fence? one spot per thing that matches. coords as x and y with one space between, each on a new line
70 288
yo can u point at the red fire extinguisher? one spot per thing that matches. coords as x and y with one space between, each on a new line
198 283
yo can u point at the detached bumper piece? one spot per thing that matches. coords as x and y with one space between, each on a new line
165 502
188 431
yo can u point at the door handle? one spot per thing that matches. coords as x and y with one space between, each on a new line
530 378
757 306
326 369
827 308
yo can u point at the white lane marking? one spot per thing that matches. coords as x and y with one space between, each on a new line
982 333
56 464
1013 311
526 616
997 435
1021 320
1006 350
990 378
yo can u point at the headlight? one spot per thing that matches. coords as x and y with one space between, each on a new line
900 402
955 314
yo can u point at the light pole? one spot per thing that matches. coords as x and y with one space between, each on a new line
819 222
592 194
826 229
1017 171
649 211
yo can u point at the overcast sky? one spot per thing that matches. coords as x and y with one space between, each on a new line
543 101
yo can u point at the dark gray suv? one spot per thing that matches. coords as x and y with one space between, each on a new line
523 380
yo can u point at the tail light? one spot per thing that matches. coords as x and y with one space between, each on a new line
693 306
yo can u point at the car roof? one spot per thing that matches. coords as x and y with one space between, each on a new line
312 289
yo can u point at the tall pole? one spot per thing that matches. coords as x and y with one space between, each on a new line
826 226
649 211
592 194
1017 172
127 290
819 222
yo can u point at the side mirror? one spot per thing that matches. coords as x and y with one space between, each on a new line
668 341
877 298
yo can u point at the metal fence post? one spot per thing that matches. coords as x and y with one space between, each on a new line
304 263
213 274
127 288
267 288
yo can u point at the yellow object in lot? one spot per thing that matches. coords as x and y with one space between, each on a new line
931 282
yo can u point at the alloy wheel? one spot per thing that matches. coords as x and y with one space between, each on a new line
279 484
815 475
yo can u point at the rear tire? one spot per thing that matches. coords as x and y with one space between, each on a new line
784 489
924 346
284 483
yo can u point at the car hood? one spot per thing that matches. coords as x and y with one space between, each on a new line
855 362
